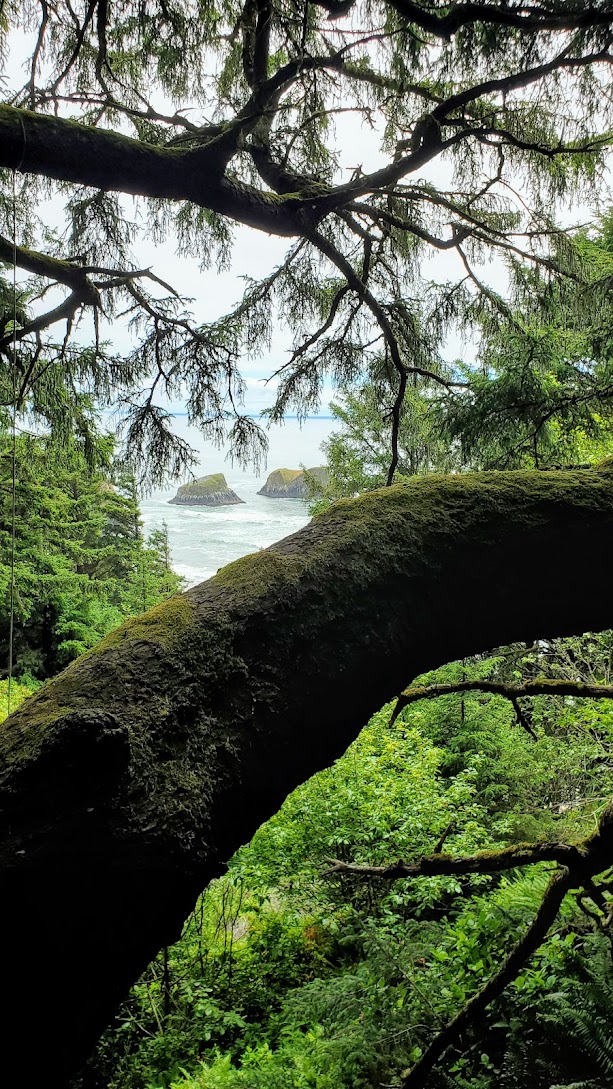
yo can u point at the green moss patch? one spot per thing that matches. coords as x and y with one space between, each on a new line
280 477
216 482
164 624
261 573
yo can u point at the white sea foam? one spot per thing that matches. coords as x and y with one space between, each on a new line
203 539
192 575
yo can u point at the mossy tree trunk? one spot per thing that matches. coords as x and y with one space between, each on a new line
129 780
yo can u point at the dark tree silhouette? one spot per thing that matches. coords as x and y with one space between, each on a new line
131 778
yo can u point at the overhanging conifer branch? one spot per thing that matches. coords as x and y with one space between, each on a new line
454 17
381 316
52 268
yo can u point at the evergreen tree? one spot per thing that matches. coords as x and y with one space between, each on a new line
503 100
541 394
81 563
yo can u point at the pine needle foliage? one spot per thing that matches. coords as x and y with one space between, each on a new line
81 560
477 123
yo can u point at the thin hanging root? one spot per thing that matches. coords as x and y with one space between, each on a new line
13 454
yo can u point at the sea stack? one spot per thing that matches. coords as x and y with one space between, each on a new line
207 491
293 483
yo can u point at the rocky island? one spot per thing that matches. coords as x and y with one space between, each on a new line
293 483
207 491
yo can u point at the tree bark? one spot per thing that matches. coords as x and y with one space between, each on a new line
54 147
130 779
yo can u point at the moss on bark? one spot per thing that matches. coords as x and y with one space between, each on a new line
127 782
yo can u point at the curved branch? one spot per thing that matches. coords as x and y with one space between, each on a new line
40 264
67 151
541 687
578 866
427 142
65 311
382 215
518 80
129 780
485 862
456 16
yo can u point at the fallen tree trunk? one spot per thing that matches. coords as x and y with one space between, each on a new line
129 780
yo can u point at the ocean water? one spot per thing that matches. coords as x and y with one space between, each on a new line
203 539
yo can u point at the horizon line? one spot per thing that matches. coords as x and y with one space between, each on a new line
257 416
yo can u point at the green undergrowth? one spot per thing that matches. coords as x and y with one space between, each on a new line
288 978
19 691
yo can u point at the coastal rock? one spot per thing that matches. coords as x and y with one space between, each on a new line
293 483
207 491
